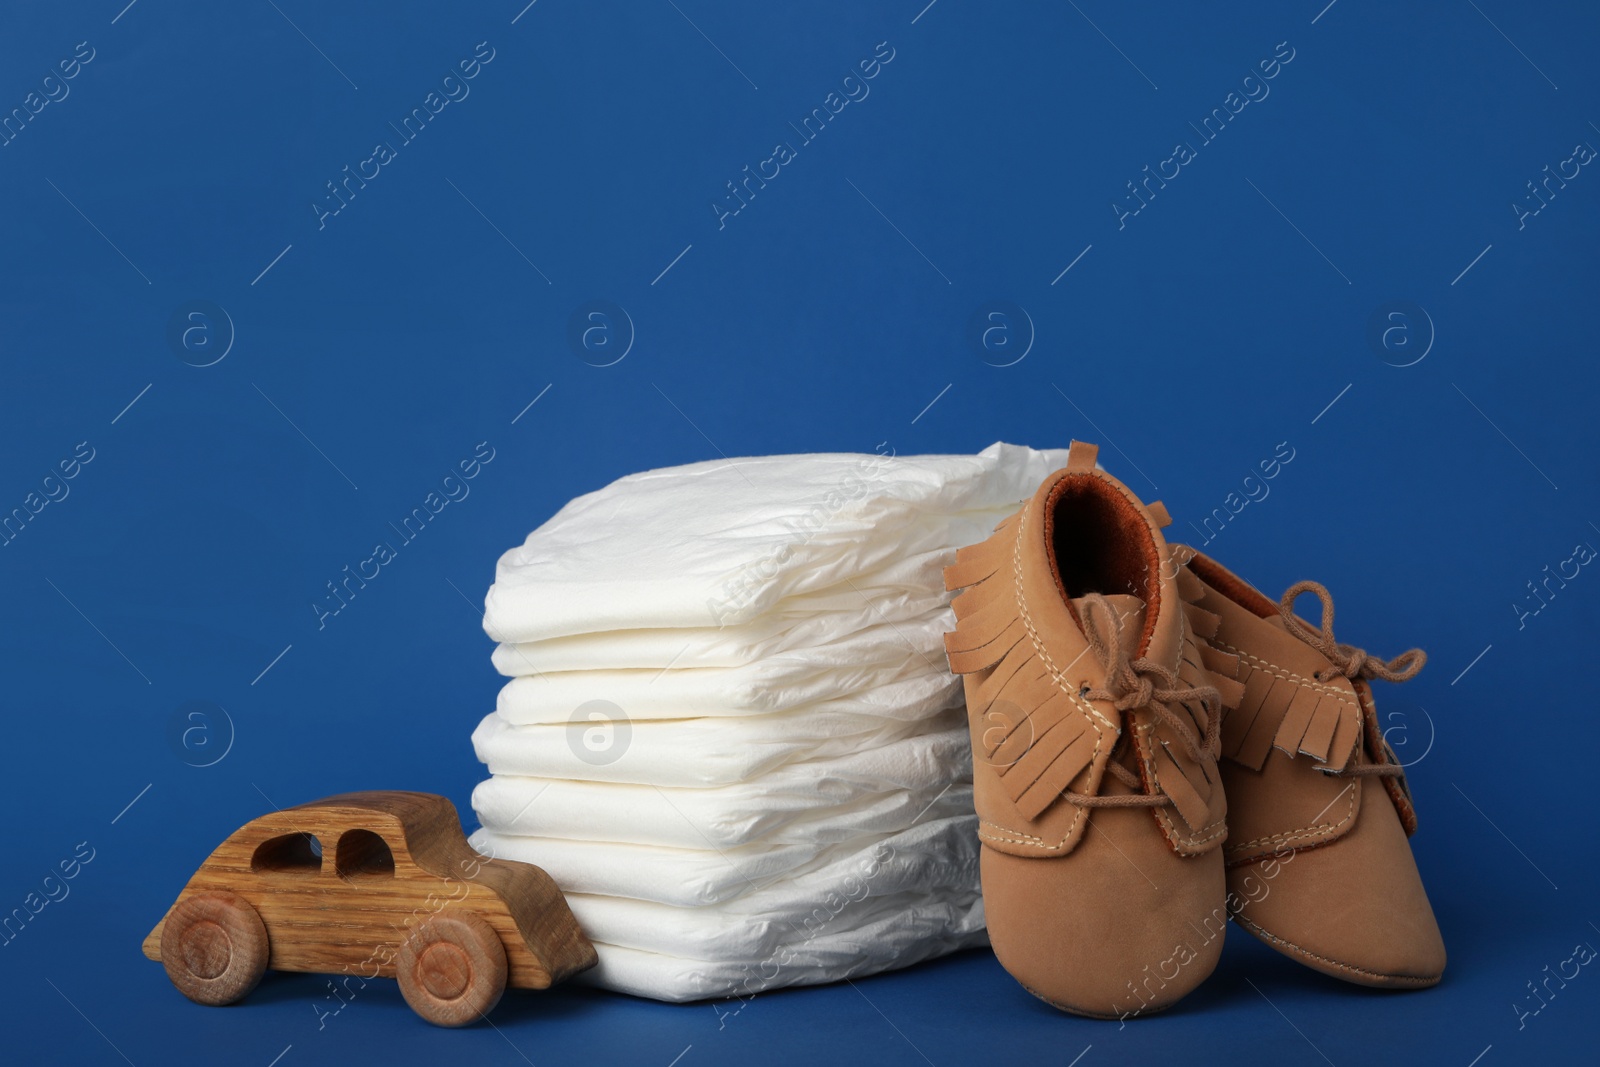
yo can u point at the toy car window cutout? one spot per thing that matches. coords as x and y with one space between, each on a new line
453 955
288 852
364 854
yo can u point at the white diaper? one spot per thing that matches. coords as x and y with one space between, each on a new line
714 751
889 904
875 789
797 626
858 664
691 877
776 788
892 941
718 543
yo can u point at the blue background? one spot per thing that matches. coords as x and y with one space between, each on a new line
374 348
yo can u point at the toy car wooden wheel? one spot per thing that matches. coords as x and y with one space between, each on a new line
214 947
452 969
353 885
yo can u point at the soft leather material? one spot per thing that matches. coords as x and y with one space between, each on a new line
1318 863
1280 805
1123 927
1084 902
1355 909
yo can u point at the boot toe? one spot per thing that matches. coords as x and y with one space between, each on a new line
1354 909
1120 927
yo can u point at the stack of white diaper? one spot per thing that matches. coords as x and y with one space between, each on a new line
730 735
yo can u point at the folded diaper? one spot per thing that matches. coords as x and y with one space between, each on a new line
862 663
787 797
712 646
891 903
718 543
715 751
693 877
874 789
918 932
722 934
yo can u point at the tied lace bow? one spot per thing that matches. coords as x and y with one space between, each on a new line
1348 662
1139 683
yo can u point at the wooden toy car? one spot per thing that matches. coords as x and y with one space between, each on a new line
371 884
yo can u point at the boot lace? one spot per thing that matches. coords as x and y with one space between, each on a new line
1348 661
1139 683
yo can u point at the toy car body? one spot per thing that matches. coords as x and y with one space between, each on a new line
375 884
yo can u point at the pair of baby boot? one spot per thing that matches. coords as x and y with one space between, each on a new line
1157 748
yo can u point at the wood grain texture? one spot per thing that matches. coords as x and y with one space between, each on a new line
389 862
452 969
214 947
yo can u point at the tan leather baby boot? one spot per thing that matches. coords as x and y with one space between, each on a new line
1095 731
1318 807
